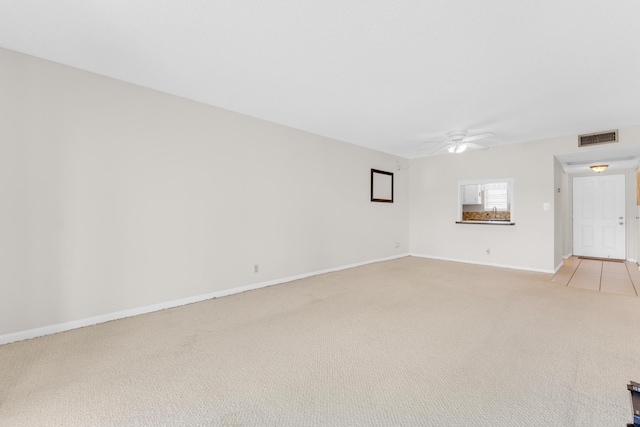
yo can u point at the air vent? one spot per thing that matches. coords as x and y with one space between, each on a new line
597 138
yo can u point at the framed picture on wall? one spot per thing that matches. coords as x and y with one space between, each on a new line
381 186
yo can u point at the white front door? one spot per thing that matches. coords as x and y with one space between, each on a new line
598 216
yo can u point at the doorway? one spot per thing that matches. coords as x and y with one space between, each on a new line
599 216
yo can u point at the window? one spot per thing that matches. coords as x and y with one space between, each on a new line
486 201
496 195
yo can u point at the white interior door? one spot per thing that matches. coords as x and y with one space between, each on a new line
599 216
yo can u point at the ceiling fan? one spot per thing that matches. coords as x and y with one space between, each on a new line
458 141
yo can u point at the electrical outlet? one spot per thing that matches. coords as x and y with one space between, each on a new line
255 268
397 245
488 251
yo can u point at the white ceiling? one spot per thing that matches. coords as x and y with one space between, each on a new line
383 74
616 157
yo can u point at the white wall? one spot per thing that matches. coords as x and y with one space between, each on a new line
530 244
433 212
116 197
559 207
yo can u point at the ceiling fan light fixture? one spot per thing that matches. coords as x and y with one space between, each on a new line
599 168
458 142
457 148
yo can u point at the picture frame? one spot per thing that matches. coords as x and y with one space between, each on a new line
381 186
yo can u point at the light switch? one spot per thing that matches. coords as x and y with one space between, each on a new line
546 206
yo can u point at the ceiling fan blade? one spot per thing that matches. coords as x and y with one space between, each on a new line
476 137
435 142
441 146
476 146
442 149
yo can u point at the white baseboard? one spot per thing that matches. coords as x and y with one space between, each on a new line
490 264
567 256
89 321
558 267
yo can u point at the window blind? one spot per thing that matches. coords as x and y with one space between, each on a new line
496 195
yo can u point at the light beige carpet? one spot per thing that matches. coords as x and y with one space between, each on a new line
409 342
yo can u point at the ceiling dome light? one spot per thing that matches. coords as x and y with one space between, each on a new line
599 168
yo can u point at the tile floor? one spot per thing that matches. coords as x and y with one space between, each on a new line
603 276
